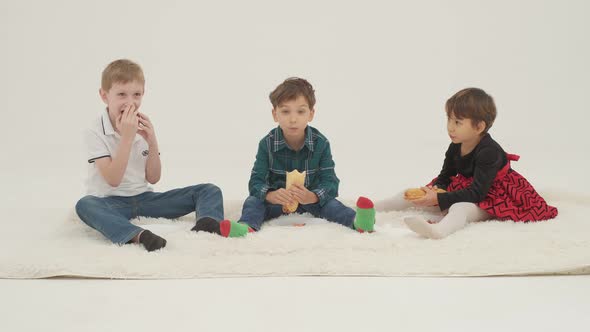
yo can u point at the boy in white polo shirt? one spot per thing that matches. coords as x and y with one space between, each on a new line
123 157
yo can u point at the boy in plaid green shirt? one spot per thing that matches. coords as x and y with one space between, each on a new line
294 145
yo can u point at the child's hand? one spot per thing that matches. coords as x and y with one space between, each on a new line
280 197
127 122
430 199
302 195
146 129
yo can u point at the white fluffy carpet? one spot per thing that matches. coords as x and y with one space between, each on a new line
49 243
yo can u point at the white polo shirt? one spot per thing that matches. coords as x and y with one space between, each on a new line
101 142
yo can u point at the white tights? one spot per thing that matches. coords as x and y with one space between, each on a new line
457 216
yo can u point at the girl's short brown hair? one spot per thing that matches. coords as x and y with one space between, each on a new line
474 104
290 89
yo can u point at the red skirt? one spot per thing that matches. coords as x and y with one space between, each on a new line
511 196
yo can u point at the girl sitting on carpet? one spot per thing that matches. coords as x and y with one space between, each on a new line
476 182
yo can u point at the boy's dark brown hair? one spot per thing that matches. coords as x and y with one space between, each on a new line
290 89
474 104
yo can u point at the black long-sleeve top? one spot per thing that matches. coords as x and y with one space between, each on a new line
483 163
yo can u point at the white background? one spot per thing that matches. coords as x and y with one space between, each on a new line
382 73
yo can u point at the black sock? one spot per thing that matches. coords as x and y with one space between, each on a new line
151 241
207 224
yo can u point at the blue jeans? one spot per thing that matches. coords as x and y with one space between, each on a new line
255 212
110 215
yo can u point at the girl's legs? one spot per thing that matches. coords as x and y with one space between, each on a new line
458 216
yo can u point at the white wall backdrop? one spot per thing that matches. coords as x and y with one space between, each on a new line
382 71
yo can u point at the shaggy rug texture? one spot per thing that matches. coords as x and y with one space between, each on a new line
43 243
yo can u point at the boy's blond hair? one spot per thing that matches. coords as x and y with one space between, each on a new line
121 71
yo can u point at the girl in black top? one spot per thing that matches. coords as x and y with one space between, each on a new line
476 175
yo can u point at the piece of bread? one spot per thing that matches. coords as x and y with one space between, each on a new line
415 193
292 178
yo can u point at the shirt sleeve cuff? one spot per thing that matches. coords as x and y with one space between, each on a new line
443 201
262 192
91 160
321 194
440 185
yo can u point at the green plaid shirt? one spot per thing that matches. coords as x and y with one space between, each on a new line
275 158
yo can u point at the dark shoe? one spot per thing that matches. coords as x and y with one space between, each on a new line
151 241
208 225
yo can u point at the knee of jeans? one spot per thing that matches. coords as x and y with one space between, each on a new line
332 204
211 188
253 200
84 202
